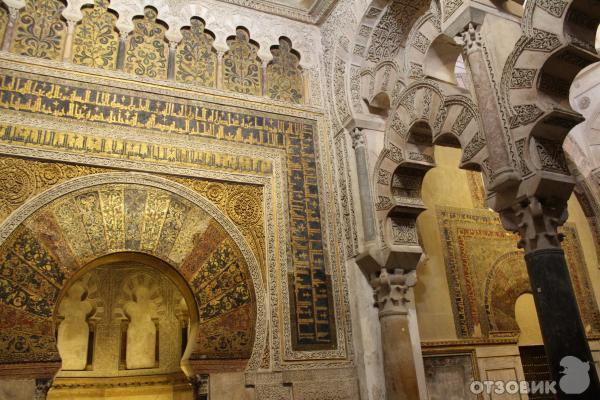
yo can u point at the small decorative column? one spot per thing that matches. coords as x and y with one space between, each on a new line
69 41
13 14
555 302
220 54
362 170
500 163
42 386
306 85
264 76
171 67
122 48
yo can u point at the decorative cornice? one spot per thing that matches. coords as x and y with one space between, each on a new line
314 15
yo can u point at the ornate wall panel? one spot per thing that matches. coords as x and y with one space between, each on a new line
95 41
25 98
242 69
196 59
40 30
22 179
486 274
284 77
476 188
147 49
393 28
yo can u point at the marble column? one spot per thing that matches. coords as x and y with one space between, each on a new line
69 41
560 321
263 78
220 54
391 297
499 160
122 50
364 185
171 61
10 27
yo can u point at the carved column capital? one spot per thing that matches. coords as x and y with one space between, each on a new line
472 40
123 35
13 13
42 386
391 291
71 23
358 138
536 223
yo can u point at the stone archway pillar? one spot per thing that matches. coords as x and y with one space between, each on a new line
362 172
560 321
393 293
474 51
391 290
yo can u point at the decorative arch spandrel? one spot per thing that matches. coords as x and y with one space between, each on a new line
283 75
96 41
147 49
242 69
196 59
40 30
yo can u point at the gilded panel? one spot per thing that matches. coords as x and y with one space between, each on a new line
242 69
95 40
196 59
242 203
312 315
476 188
284 77
40 30
147 50
486 274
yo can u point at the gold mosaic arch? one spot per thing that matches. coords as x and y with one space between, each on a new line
55 234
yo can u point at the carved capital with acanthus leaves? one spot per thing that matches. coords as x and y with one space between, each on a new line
392 274
536 222
392 291
471 38
358 138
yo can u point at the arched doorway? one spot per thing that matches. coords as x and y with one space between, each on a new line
96 221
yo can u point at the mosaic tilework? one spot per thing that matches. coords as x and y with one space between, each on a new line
311 294
486 273
56 241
